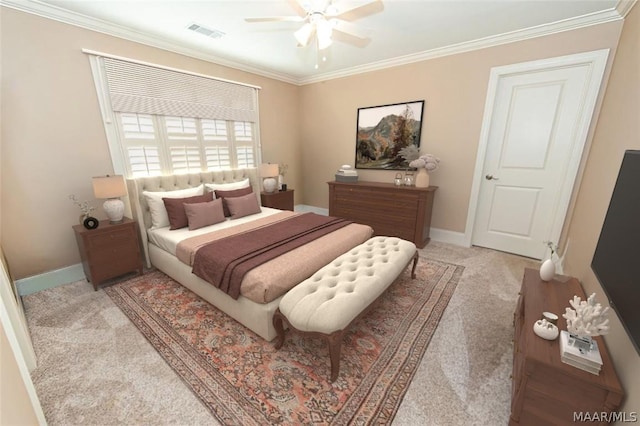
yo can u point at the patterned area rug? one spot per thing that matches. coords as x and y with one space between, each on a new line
243 380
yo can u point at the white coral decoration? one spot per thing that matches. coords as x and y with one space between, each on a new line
426 161
586 318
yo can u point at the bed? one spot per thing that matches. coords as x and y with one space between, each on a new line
261 288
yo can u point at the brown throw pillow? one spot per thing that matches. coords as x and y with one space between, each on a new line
204 214
232 193
175 208
243 206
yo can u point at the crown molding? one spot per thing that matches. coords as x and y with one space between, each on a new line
56 13
624 6
482 43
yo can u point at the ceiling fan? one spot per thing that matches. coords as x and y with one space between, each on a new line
326 20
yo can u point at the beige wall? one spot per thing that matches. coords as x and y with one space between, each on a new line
618 129
15 404
454 88
53 140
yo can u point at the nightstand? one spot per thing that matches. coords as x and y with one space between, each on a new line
109 250
282 200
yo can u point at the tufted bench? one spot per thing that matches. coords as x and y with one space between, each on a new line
330 300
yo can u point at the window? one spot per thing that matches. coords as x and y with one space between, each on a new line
164 121
155 144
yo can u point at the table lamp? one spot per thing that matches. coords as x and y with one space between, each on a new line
268 172
111 188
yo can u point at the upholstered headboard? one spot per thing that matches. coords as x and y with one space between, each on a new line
138 203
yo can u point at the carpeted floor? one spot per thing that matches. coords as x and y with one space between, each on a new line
96 368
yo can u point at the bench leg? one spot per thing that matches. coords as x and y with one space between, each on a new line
277 324
335 346
415 263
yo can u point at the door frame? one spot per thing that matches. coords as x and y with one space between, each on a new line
597 62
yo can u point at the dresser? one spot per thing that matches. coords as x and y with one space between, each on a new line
546 391
397 211
109 250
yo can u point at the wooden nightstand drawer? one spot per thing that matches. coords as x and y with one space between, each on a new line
282 200
109 250
110 240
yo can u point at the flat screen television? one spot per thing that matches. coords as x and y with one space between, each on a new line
616 261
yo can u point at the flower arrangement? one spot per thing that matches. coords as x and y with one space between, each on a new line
85 208
426 161
587 318
553 247
409 153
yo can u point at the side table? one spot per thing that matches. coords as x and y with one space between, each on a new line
109 250
282 200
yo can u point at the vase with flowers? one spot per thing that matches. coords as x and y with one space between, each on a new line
425 163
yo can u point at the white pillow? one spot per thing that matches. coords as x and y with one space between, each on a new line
159 216
244 183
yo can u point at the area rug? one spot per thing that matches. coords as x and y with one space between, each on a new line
244 380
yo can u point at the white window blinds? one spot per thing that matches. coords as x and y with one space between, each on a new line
145 89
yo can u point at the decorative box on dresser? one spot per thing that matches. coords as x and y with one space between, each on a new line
546 391
282 200
109 251
397 211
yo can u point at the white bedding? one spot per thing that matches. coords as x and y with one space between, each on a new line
168 239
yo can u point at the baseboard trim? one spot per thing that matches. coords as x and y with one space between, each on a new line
50 279
75 273
450 237
312 209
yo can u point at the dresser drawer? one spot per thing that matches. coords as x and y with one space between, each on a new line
403 212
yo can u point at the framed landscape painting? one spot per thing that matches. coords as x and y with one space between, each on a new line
384 131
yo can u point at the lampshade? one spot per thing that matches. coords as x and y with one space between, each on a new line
109 186
268 170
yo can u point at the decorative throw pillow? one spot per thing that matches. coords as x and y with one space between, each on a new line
175 208
243 206
244 183
159 216
225 195
204 214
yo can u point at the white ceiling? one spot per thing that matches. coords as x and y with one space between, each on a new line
405 31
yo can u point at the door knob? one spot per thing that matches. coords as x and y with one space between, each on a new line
490 177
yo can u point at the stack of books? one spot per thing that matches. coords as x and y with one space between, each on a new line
587 360
346 174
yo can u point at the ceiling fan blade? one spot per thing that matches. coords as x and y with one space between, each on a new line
375 6
275 18
300 10
350 38
349 28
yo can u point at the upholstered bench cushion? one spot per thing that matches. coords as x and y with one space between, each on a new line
332 297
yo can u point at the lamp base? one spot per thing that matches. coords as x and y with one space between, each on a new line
270 184
114 208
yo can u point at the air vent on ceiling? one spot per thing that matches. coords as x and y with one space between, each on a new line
205 31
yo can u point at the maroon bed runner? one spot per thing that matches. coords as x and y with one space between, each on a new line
225 262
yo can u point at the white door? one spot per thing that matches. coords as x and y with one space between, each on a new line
534 132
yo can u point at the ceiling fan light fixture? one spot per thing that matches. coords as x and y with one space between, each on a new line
324 30
303 35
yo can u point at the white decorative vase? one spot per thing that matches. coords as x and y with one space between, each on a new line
422 178
547 270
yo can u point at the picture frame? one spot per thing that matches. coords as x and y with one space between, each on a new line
383 130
